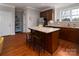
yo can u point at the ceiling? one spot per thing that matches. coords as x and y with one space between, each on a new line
40 6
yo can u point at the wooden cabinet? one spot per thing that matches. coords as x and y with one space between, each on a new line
48 14
48 41
70 34
64 33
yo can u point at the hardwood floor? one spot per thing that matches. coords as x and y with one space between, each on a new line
16 46
67 48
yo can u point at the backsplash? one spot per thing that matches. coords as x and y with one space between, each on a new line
66 23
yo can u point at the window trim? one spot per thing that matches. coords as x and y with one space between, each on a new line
71 20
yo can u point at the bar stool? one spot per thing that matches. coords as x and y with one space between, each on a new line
35 42
28 39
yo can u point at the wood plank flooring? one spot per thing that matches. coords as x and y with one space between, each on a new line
15 45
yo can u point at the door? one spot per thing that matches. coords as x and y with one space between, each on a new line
5 19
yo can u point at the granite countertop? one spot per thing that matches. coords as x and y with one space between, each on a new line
45 29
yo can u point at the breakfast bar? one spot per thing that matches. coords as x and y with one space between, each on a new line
45 37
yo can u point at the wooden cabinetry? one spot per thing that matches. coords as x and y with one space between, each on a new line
70 34
48 41
48 14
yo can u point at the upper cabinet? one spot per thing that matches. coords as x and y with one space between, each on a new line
48 14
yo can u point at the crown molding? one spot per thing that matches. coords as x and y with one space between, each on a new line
32 8
47 9
7 5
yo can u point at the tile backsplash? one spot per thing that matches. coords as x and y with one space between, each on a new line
66 23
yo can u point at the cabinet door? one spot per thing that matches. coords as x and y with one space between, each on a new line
77 35
70 34
48 42
74 35
64 33
42 14
48 14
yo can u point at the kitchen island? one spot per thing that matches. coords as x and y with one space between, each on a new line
45 37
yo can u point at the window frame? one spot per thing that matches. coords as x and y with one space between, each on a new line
71 19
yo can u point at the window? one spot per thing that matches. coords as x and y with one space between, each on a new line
75 14
65 15
70 15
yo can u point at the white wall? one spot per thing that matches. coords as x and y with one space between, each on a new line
57 13
31 16
7 20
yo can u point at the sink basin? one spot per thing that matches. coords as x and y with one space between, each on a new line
76 27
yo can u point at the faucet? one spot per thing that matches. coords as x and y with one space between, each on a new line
68 25
74 25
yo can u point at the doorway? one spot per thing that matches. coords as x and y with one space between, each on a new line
18 20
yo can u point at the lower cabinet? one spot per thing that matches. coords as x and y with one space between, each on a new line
70 34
